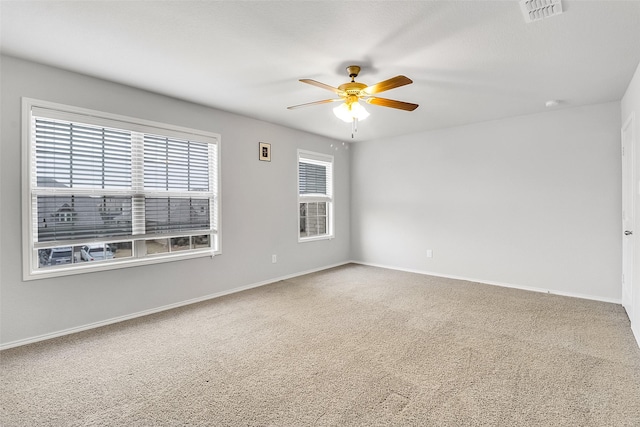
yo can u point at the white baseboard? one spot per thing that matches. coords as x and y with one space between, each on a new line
94 325
488 282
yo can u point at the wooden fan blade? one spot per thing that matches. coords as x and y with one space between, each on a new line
392 83
322 85
383 102
324 101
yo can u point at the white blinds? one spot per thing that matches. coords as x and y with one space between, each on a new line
80 174
173 164
71 155
315 175
312 178
179 172
173 215
92 182
74 217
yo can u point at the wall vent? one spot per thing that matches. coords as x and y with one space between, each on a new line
535 10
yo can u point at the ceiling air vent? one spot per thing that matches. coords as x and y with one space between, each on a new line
535 10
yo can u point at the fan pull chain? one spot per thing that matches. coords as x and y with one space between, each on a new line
354 128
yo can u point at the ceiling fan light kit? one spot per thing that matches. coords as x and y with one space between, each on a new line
352 93
351 111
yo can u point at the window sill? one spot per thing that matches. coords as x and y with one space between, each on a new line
315 238
113 265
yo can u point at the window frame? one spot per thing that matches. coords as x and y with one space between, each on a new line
328 161
30 255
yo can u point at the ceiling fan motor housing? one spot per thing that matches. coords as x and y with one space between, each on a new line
352 88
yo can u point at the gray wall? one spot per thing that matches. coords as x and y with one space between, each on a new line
259 209
531 201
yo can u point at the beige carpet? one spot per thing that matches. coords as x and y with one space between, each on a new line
350 346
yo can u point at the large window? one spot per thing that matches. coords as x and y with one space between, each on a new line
105 191
315 196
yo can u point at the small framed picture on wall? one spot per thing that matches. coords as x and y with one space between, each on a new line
265 152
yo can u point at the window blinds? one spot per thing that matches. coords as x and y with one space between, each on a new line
312 178
80 171
315 175
82 217
173 164
180 168
91 182
70 155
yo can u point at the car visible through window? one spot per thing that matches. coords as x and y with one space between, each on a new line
96 252
62 255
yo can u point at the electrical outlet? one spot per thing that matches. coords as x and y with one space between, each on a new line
274 258
429 253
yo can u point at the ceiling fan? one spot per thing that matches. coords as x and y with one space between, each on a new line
352 93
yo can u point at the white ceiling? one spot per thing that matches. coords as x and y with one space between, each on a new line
470 61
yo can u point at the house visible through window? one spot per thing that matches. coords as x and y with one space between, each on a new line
315 195
132 191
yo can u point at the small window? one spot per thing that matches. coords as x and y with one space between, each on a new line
315 196
107 191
